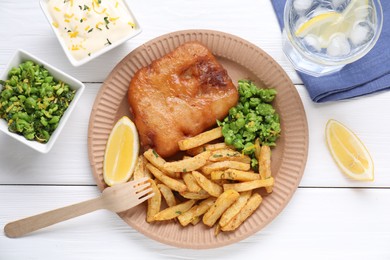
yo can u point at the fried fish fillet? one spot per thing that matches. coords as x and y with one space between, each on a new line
178 96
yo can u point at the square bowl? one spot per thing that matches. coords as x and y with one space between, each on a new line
104 23
21 56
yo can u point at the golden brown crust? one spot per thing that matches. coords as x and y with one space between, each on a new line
179 95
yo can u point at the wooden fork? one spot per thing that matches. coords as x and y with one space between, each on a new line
117 198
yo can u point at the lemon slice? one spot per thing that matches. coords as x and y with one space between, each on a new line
121 152
317 24
328 24
349 152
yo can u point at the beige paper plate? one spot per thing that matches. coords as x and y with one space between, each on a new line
242 60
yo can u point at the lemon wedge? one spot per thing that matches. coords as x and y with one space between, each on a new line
328 24
121 152
349 152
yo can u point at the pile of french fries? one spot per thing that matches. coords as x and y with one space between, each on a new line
213 183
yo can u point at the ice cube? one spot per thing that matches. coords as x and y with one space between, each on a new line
302 5
359 34
337 3
313 42
338 46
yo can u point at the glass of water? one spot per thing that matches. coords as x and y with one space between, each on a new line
322 36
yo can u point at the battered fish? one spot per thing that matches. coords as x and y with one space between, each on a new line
178 96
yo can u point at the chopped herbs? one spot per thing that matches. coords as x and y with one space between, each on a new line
178 212
81 23
33 102
217 155
107 22
184 170
155 154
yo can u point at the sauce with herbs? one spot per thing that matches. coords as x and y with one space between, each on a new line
91 25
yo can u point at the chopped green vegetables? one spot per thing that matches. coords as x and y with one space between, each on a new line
33 102
253 117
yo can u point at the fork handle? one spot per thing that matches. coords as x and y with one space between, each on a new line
24 226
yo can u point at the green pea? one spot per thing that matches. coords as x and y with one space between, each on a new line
237 143
30 103
229 140
253 117
43 121
54 120
6 94
233 111
49 79
240 122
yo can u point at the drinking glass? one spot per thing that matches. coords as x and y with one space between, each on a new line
321 36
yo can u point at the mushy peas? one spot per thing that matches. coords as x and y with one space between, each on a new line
91 25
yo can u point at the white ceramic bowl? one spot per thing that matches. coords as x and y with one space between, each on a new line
21 56
74 61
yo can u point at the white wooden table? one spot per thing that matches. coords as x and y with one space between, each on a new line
329 217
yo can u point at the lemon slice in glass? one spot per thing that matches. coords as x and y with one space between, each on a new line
317 24
121 152
349 152
325 25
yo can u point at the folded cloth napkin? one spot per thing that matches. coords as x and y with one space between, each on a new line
366 75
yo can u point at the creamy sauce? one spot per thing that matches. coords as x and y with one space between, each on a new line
88 26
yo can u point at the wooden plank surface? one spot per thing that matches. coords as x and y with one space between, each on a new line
327 223
329 217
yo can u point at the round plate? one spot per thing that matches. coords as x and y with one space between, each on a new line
242 60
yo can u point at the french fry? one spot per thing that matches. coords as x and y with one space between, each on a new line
212 188
200 195
206 147
195 221
188 165
249 185
200 139
174 211
235 208
140 170
228 155
190 182
220 166
154 158
154 203
257 149
223 202
265 164
252 204
167 194
217 230
235 175
170 182
195 212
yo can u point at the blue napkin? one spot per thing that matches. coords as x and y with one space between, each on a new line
367 75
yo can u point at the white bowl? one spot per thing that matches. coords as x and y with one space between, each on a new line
74 61
21 56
